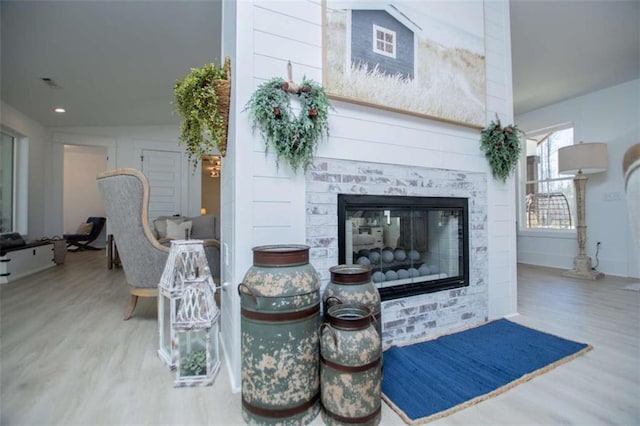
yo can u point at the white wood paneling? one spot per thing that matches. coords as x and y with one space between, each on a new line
268 21
275 32
502 211
299 51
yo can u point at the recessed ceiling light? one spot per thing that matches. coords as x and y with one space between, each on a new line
59 110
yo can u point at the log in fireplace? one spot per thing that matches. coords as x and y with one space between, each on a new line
414 245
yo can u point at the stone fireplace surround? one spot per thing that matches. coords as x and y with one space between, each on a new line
415 317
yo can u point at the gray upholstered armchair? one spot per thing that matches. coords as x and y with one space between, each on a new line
126 197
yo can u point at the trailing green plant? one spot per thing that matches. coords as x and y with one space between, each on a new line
293 137
501 146
204 120
194 364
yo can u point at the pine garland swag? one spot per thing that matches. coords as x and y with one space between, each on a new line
294 137
501 147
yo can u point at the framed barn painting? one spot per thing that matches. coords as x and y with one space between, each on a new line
425 58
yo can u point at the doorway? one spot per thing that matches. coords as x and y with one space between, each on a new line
210 189
80 195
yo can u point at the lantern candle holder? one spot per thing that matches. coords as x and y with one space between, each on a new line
188 317
196 334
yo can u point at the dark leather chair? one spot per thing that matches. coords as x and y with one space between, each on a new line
82 241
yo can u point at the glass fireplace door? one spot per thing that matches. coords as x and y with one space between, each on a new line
412 248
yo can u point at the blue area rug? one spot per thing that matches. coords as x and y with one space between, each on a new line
428 380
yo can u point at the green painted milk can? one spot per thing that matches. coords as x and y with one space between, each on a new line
280 315
353 284
350 366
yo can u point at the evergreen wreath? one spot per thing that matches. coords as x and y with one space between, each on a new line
294 137
501 146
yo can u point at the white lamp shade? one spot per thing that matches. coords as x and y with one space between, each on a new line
588 157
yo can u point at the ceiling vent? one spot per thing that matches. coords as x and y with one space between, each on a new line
51 83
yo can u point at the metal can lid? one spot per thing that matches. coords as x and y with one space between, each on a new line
350 274
281 255
349 316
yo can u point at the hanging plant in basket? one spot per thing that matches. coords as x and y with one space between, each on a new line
293 136
501 146
202 99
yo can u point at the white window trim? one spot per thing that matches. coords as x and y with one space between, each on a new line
22 186
523 231
15 146
548 180
567 234
377 28
20 181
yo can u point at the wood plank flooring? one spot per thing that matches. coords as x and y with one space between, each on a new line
68 358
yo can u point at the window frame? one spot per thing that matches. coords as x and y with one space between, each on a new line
20 180
13 170
523 230
393 44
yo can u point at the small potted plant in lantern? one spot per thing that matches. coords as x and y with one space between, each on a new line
196 326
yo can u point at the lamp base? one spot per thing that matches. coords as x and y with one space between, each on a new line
582 269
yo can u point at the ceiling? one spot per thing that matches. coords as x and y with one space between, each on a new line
116 61
563 49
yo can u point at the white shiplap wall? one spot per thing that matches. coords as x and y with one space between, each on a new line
263 204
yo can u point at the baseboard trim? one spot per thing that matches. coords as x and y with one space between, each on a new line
235 387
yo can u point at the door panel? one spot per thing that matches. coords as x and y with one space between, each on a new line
164 172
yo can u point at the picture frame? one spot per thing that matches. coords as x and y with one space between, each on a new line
425 59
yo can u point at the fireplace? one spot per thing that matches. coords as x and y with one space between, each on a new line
414 245
416 316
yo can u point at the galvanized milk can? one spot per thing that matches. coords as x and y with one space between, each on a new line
352 284
280 315
350 366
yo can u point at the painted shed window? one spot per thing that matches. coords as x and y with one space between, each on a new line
384 41
550 198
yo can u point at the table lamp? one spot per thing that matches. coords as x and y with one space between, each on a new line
582 159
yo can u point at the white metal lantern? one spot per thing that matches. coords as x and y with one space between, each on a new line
187 260
196 332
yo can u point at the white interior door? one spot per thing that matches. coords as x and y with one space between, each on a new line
163 169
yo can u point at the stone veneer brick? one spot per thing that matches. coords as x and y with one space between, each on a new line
415 317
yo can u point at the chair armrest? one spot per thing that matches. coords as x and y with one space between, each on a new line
211 243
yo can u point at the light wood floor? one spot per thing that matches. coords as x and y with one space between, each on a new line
68 358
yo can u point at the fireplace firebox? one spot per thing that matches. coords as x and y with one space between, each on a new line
414 245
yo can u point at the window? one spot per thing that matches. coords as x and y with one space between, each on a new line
549 197
7 156
384 41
